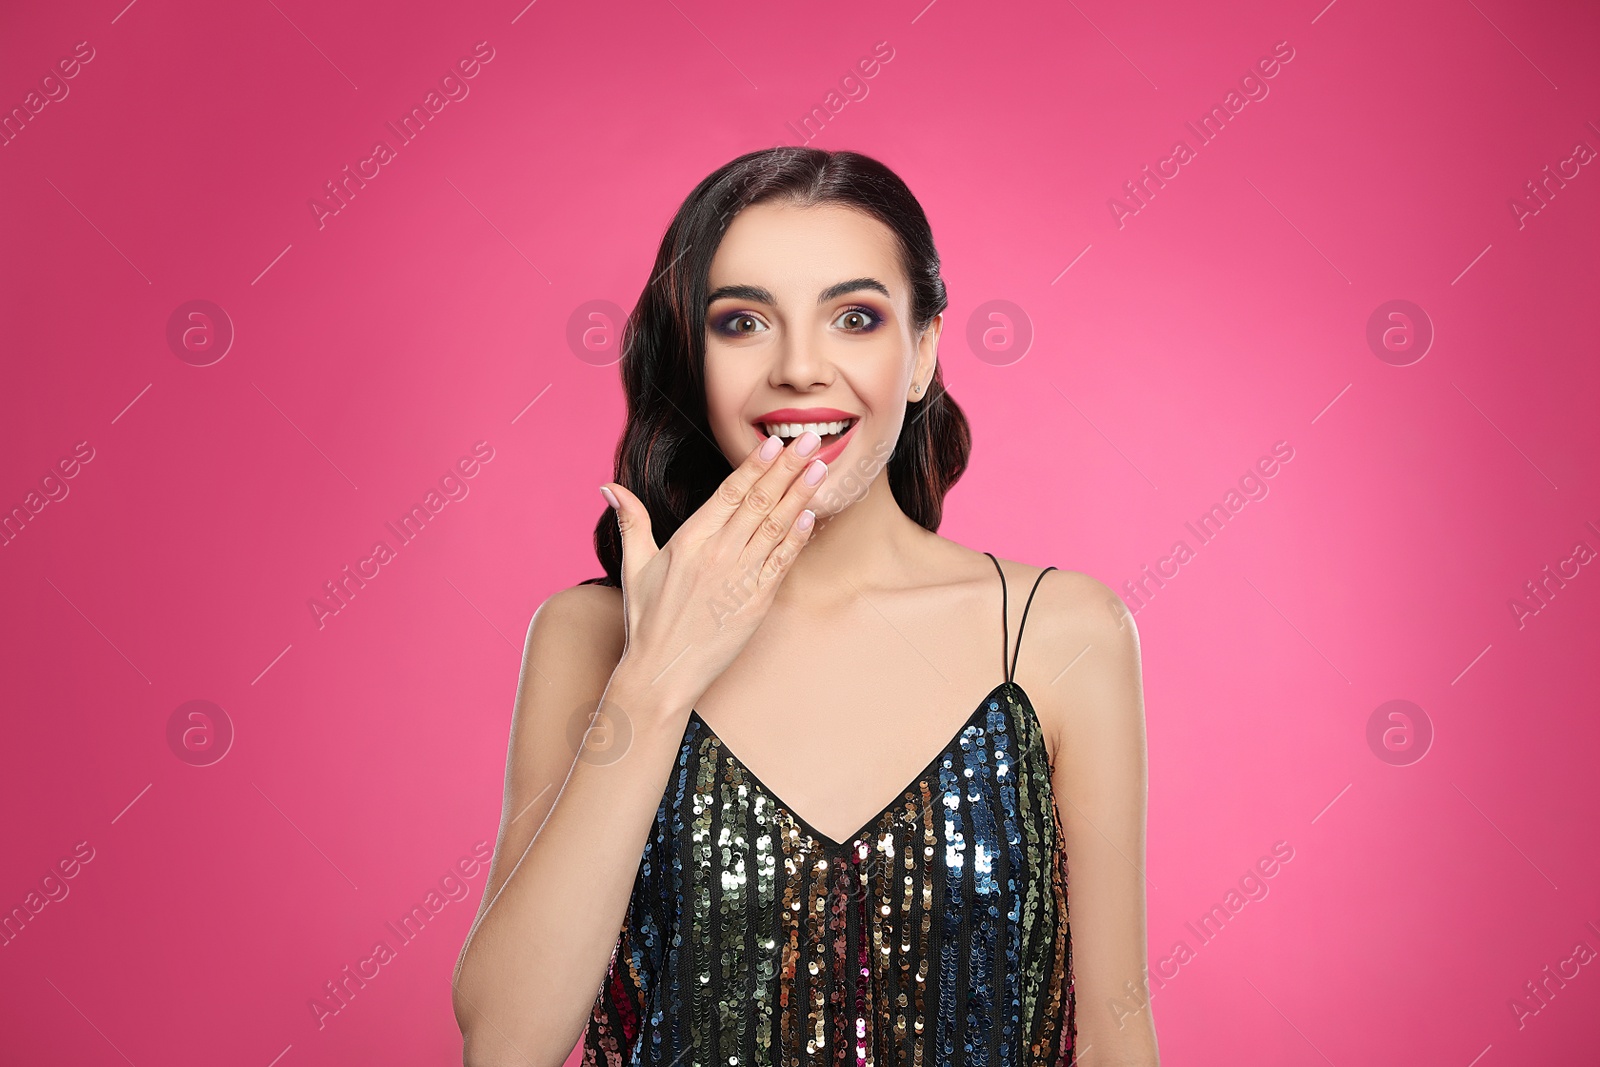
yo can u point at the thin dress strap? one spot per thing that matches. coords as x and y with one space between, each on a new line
1006 654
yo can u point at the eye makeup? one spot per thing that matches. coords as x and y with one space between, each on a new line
724 324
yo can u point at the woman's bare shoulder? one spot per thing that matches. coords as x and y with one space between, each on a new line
601 602
581 627
1079 638
1061 595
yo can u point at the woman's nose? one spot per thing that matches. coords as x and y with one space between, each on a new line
800 363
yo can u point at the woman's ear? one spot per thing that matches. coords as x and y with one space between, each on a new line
927 357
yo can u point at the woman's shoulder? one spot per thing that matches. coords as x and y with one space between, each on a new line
584 621
586 597
1080 639
1069 608
1061 596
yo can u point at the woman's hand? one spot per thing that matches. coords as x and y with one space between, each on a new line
693 604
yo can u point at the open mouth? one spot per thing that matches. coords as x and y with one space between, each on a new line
788 431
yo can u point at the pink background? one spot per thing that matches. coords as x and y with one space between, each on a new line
373 351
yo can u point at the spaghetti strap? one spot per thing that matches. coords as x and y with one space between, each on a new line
1010 672
1005 626
1024 623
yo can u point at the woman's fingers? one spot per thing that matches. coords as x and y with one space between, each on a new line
777 529
784 553
724 504
752 513
633 519
748 527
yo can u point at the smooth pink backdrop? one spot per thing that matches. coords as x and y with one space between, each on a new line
374 349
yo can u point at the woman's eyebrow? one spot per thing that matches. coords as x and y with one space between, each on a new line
833 292
758 294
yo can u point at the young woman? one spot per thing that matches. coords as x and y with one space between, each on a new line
781 787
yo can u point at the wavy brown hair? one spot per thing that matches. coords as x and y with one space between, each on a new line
667 456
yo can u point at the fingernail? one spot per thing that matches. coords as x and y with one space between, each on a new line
807 517
611 498
771 446
816 472
807 444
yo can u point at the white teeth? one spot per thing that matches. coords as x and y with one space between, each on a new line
795 429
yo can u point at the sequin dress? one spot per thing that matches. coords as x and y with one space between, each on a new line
936 936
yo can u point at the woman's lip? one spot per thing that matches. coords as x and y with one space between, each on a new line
805 415
831 452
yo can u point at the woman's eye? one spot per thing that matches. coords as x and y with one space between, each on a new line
853 319
858 319
743 322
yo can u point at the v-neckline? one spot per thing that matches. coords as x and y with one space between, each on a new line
805 823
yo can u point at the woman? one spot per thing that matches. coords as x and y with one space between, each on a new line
781 640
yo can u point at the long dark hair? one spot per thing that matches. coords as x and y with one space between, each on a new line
667 456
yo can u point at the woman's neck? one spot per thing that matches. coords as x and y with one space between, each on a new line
871 544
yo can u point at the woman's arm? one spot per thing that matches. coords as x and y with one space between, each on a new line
573 830
1099 780
571 835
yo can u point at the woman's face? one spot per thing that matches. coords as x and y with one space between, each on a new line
809 321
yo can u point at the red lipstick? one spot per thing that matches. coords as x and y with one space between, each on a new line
806 415
831 451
